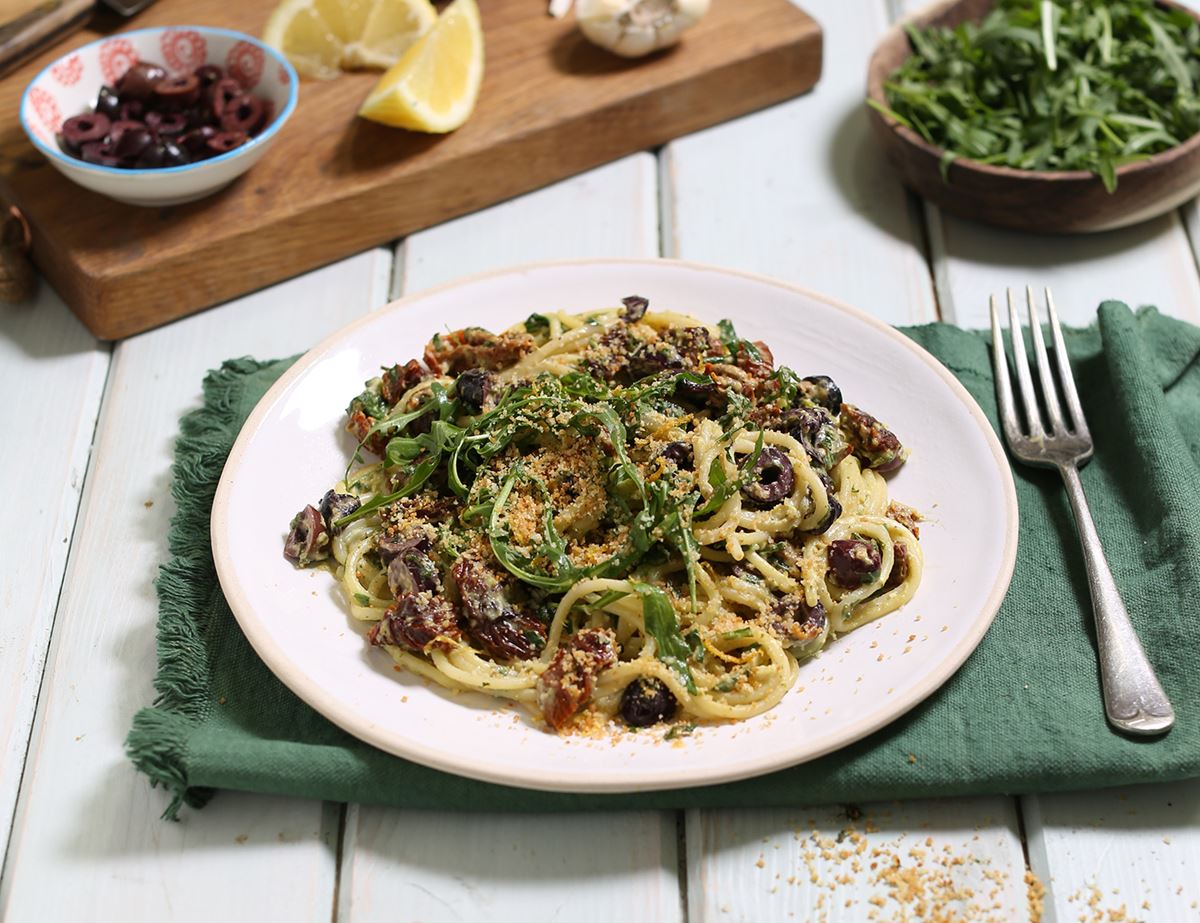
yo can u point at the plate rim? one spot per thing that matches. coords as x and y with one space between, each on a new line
546 778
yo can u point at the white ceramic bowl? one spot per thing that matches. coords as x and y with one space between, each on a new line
69 86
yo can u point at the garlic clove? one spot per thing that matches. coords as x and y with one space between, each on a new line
633 28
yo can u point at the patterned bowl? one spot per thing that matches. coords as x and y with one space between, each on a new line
69 87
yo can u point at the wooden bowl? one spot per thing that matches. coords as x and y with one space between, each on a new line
1060 202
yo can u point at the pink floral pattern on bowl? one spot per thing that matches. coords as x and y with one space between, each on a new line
68 72
68 87
245 64
183 50
45 108
116 57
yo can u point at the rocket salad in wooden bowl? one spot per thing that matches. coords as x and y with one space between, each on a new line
1051 116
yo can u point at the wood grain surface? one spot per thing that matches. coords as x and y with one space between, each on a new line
552 105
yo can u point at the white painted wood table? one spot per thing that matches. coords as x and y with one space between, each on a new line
796 192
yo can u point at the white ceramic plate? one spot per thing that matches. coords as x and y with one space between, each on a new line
292 448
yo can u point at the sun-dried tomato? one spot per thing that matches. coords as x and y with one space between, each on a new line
399 379
567 683
506 632
473 347
419 621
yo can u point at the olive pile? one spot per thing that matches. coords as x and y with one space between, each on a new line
151 120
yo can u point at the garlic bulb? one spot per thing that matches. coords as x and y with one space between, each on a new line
632 28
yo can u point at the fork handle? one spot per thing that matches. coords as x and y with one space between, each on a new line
1133 697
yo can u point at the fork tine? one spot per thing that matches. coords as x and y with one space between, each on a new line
1032 416
1049 392
1064 370
1004 391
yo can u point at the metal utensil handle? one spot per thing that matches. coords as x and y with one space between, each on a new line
1133 697
32 31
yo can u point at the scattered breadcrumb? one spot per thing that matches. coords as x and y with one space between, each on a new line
1095 912
1035 892
898 881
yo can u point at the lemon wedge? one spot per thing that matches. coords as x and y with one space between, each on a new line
323 37
434 86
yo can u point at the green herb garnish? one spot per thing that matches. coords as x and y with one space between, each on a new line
1072 85
661 624
736 344
737 634
537 323
680 730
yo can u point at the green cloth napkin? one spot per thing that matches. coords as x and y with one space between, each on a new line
1022 715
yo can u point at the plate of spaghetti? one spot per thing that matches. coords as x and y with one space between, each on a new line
615 525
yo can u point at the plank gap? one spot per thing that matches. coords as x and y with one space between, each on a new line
1020 814
681 863
340 836
917 217
668 245
943 294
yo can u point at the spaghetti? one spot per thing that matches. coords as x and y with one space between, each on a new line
621 514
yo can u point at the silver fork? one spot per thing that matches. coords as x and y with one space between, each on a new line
1133 697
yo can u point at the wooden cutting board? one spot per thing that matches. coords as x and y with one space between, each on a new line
552 105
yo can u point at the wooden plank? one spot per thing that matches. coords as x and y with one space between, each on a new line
609 211
589 867
953 859
800 192
552 105
87 841
1121 854
51 375
1151 263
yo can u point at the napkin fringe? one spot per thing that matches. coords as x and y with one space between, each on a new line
186 584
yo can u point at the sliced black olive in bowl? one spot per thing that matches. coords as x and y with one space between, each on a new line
79 130
108 103
139 81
